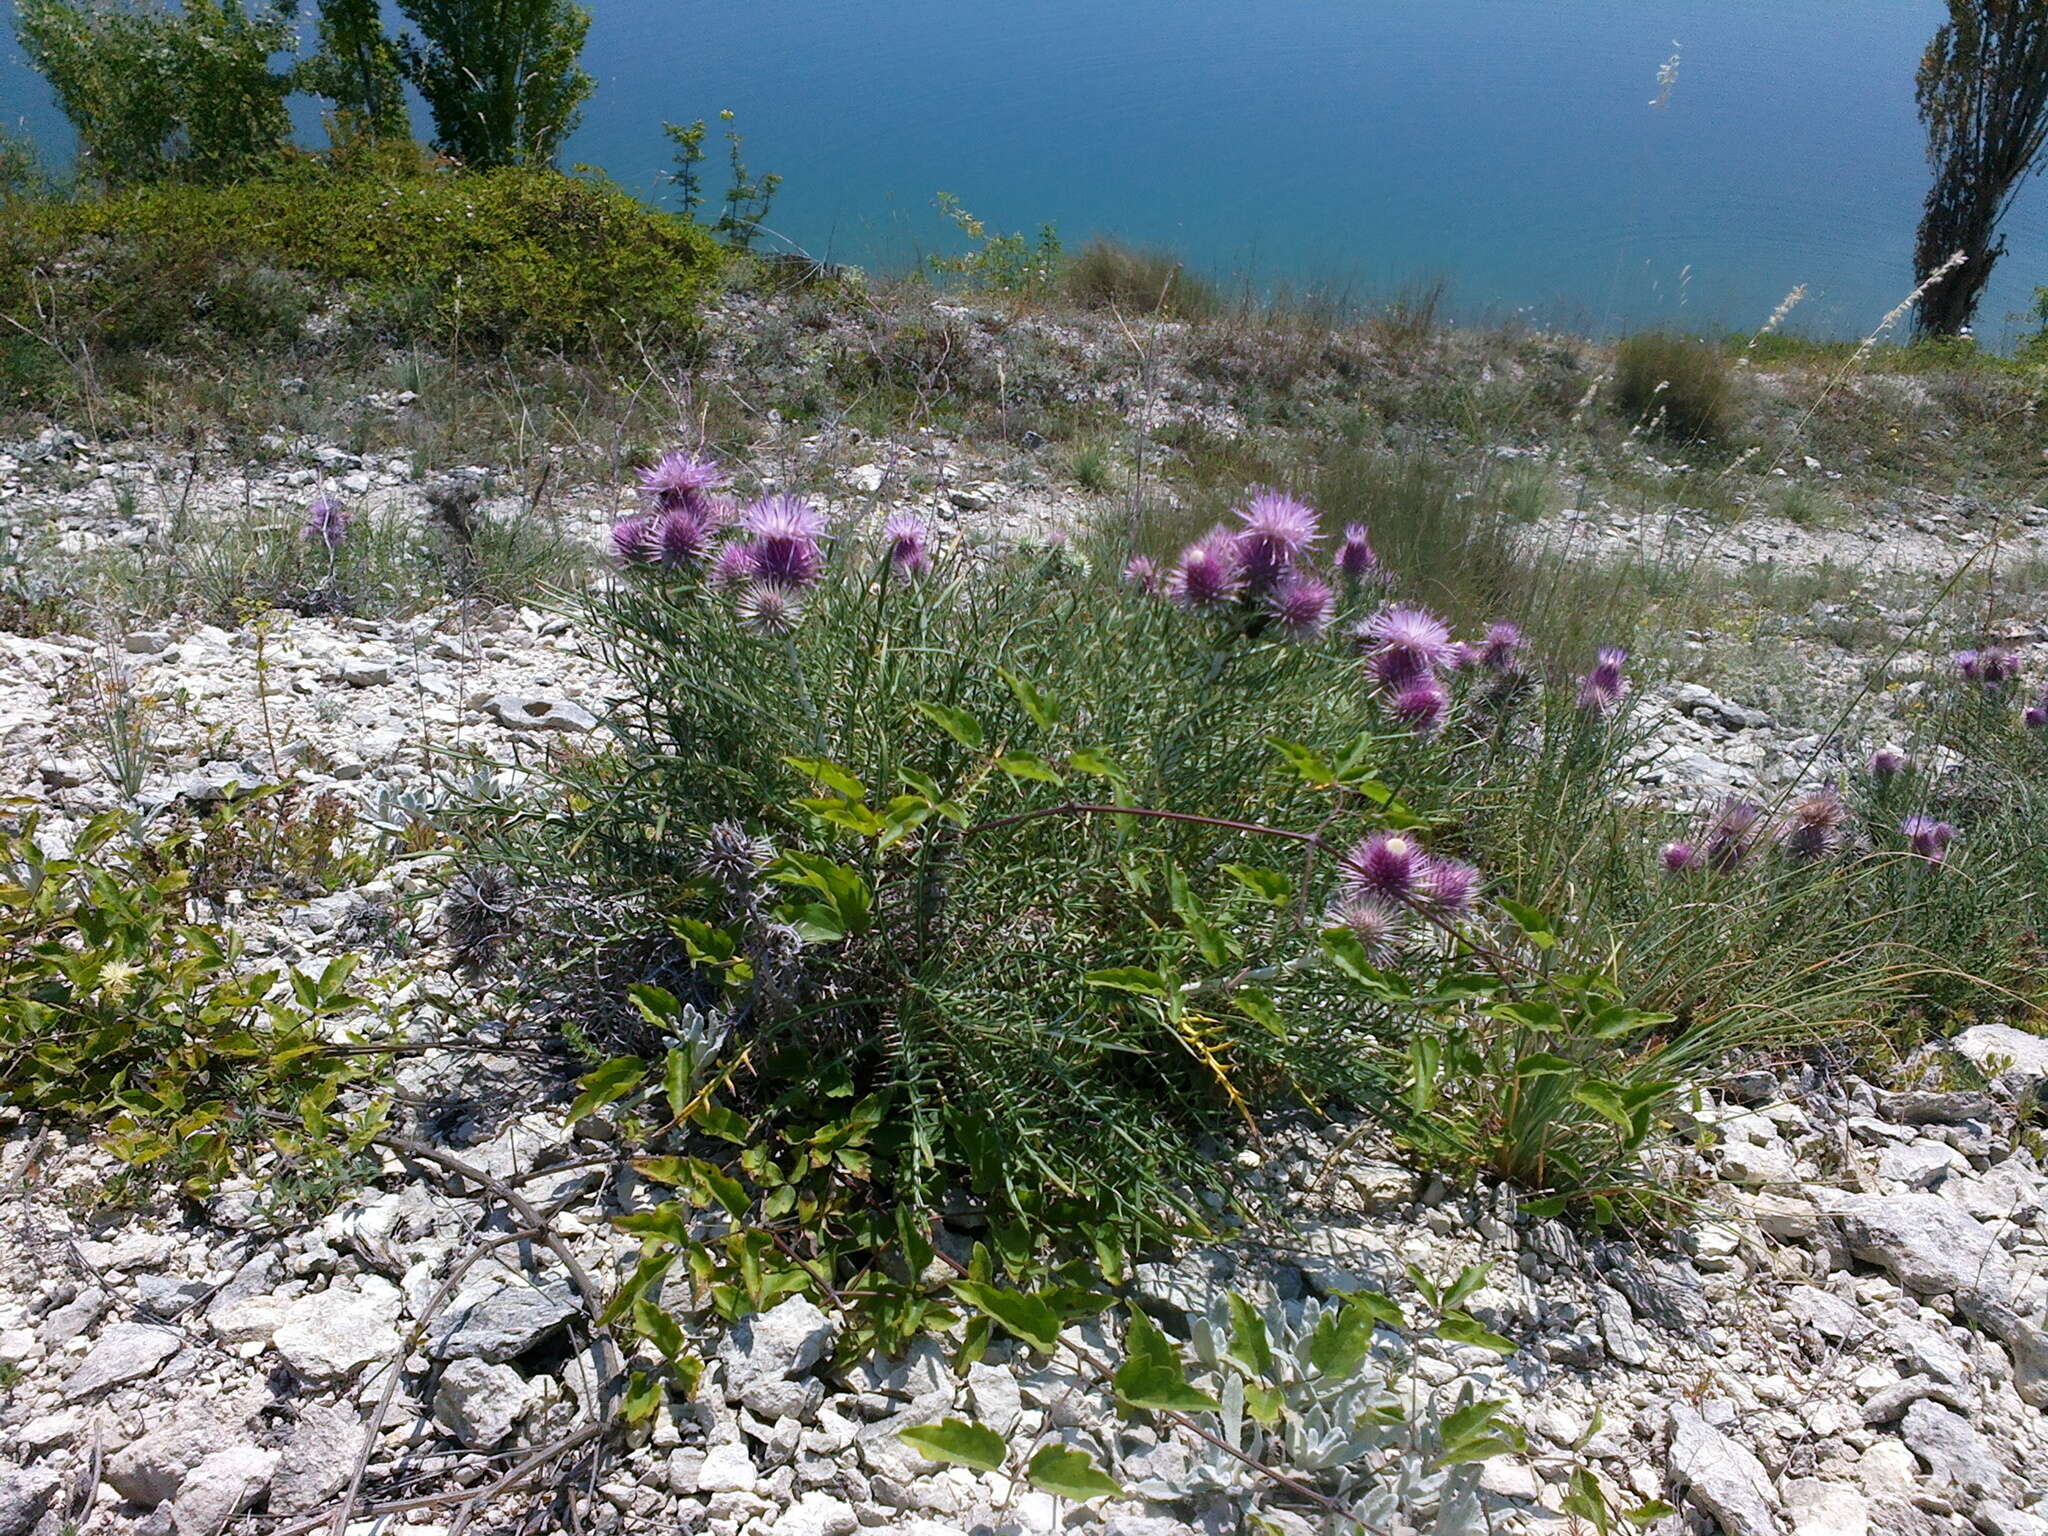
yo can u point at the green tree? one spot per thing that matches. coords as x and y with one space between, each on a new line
153 91
1983 94
500 76
359 70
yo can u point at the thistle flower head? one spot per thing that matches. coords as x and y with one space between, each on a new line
1447 885
1208 573
733 856
1463 654
733 566
1814 829
1379 928
1404 645
766 607
784 544
1420 705
1278 531
2035 716
1355 557
1502 650
681 536
1927 838
1731 832
1992 667
1678 856
1602 688
905 535
1888 763
678 482
327 522
1142 572
1303 605
633 540
1387 866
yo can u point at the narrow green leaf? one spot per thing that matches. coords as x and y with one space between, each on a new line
1128 978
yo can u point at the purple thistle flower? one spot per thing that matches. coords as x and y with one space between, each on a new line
1386 865
1355 558
1888 763
732 567
1303 605
680 537
769 607
905 533
1993 667
633 540
1502 651
1278 531
1602 688
678 482
1815 827
327 522
1463 654
1404 645
1420 705
1208 572
1927 838
1379 928
1679 856
784 548
1447 885
1731 832
2035 716
1142 572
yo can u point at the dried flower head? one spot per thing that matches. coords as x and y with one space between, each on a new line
678 482
1355 558
784 543
733 856
905 535
1602 688
327 522
1927 838
1379 928
769 607
1814 829
1303 605
1208 573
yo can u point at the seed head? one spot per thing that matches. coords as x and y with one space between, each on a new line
770 608
1814 829
1379 928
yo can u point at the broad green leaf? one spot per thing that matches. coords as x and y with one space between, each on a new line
1342 946
658 1328
1269 885
1263 1403
1152 1375
1249 1345
1070 1474
958 1441
1314 769
1128 978
1341 1341
1028 765
1027 1316
1536 928
1096 765
643 1397
831 775
606 1085
956 723
1260 1009
725 1124
1038 704
1460 1328
1605 1101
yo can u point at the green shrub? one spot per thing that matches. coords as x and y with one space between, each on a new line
515 258
154 91
1110 275
1680 386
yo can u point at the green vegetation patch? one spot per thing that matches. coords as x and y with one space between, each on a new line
508 258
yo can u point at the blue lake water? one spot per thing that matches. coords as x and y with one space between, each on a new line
1507 147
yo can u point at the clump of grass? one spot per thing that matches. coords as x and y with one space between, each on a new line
1107 274
1091 467
1676 385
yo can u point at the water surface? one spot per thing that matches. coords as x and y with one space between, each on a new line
1506 147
